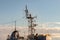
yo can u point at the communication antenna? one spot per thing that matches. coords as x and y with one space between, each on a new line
26 11
30 21
15 25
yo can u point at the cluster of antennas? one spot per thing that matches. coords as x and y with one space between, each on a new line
30 21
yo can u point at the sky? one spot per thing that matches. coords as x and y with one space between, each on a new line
45 10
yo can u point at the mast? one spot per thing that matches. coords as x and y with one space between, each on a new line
31 23
26 11
15 25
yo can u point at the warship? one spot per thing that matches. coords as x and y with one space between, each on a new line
31 30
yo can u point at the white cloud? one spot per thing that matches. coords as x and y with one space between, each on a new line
54 31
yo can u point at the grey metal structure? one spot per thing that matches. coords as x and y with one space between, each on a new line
31 24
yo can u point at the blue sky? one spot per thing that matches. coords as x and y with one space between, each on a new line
45 10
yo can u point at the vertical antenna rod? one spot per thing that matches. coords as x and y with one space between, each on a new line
26 11
15 25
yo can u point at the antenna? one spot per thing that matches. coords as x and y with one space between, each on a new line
30 22
15 25
26 11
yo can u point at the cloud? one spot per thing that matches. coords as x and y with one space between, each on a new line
49 24
54 31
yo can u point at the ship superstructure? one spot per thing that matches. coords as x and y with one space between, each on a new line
15 35
31 30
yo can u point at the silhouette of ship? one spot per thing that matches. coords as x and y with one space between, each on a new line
15 34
